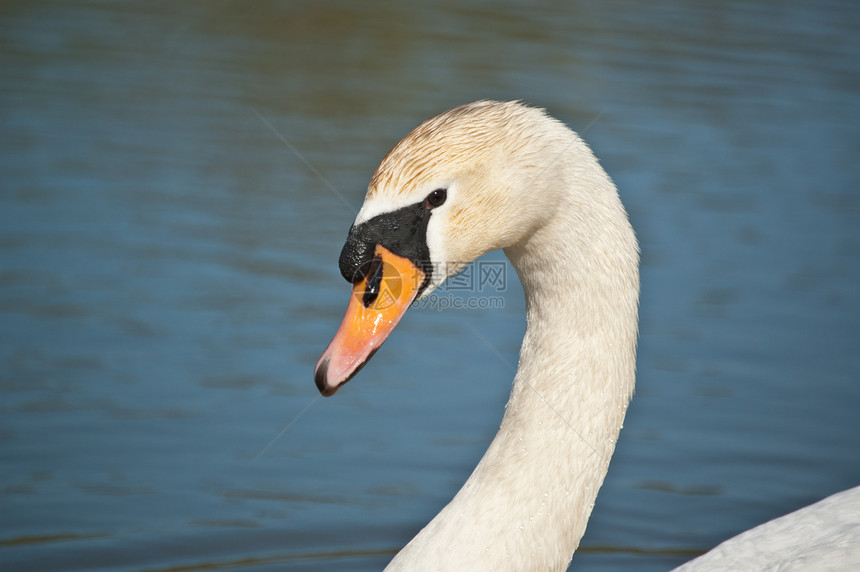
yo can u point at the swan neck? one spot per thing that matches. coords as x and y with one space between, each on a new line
527 503
577 364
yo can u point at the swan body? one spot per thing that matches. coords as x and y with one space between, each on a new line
477 178
822 536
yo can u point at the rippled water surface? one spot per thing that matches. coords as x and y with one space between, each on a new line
176 182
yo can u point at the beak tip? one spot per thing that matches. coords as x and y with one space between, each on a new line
321 378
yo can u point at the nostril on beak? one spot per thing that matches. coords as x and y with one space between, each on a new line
374 282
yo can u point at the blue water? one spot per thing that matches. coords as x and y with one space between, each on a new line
176 182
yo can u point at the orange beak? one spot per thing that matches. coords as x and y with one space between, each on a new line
376 305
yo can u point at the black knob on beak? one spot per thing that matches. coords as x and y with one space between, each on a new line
357 255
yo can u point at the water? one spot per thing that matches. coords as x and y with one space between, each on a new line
177 181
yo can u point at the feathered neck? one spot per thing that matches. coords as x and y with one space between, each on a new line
526 505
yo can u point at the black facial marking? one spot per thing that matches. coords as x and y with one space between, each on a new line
403 232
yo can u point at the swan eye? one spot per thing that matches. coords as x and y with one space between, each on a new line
436 198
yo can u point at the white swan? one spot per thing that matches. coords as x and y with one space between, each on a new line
480 177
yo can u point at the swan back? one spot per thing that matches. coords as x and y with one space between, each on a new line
822 536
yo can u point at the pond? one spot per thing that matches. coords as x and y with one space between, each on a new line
178 181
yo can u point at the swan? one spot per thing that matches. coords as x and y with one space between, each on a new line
480 177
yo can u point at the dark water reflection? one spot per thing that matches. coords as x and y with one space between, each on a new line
168 272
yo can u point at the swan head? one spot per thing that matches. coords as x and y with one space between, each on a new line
461 184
